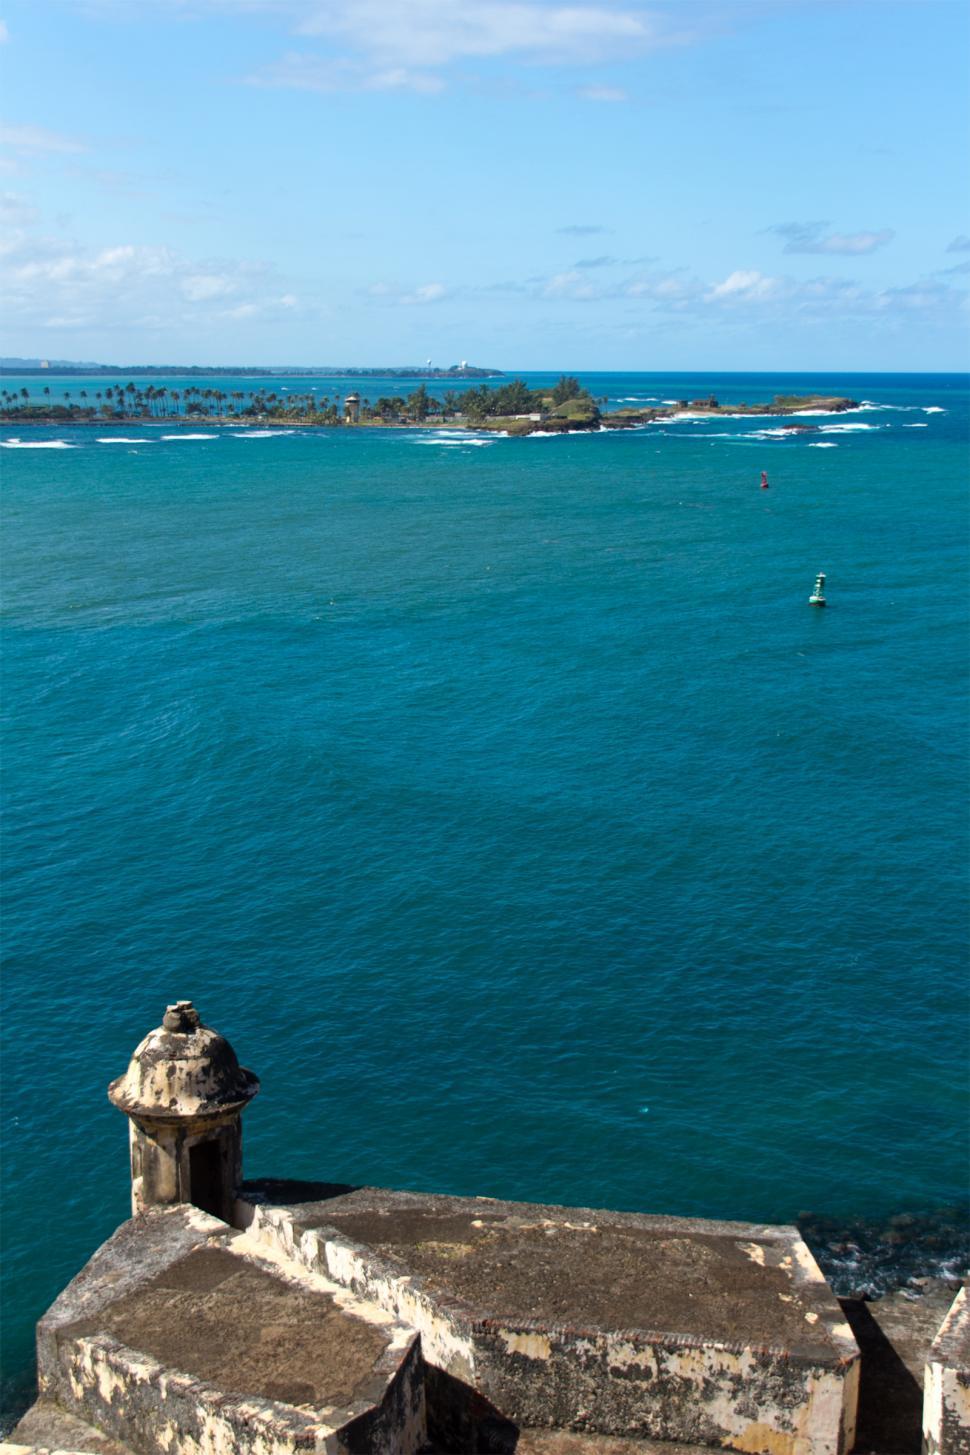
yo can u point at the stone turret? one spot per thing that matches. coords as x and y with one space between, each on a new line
184 1094
352 408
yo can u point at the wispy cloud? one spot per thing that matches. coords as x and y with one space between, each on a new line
671 293
298 71
960 244
384 45
4 32
439 32
602 93
16 211
422 295
38 139
811 237
582 229
745 285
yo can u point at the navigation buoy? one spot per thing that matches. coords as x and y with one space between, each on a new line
764 480
817 597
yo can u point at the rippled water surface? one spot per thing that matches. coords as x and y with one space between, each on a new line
503 801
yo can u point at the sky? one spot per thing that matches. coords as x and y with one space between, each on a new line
523 184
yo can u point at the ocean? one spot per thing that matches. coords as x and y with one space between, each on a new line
506 805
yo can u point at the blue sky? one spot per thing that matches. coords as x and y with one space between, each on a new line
519 183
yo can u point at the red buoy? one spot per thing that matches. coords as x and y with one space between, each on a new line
764 480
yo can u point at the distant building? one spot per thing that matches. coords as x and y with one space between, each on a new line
352 409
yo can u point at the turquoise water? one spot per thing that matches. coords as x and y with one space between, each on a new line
503 801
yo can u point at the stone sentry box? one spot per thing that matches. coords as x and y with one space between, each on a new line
184 1094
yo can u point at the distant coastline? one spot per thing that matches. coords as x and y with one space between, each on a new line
11 367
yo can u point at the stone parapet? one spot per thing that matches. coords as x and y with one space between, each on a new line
630 1327
180 1336
946 1385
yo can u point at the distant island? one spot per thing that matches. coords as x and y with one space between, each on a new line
513 408
244 371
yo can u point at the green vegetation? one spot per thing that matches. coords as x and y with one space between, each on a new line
512 407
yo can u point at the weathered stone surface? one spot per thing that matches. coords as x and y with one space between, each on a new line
946 1401
894 1335
586 1320
184 1093
180 1336
181 1070
46 1427
567 1442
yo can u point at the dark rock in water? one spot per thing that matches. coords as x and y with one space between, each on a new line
865 1258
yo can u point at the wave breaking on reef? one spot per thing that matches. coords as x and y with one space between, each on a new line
868 1258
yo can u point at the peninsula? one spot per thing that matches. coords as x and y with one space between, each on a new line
511 409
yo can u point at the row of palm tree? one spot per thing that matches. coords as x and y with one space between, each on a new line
129 401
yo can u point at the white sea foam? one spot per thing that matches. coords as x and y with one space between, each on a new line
806 413
915 426
121 439
249 434
934 409
846 428
456 444
190 436
771 434
823 445
18 444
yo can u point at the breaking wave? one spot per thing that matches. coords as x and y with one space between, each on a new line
867 1258
18 444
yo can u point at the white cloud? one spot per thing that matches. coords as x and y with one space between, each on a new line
200 287
297 71
438 32
387 45
16 211
37 139
810 237
427 293
601 93
4 32
677 293
48 283
420 296
573 285
745 285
